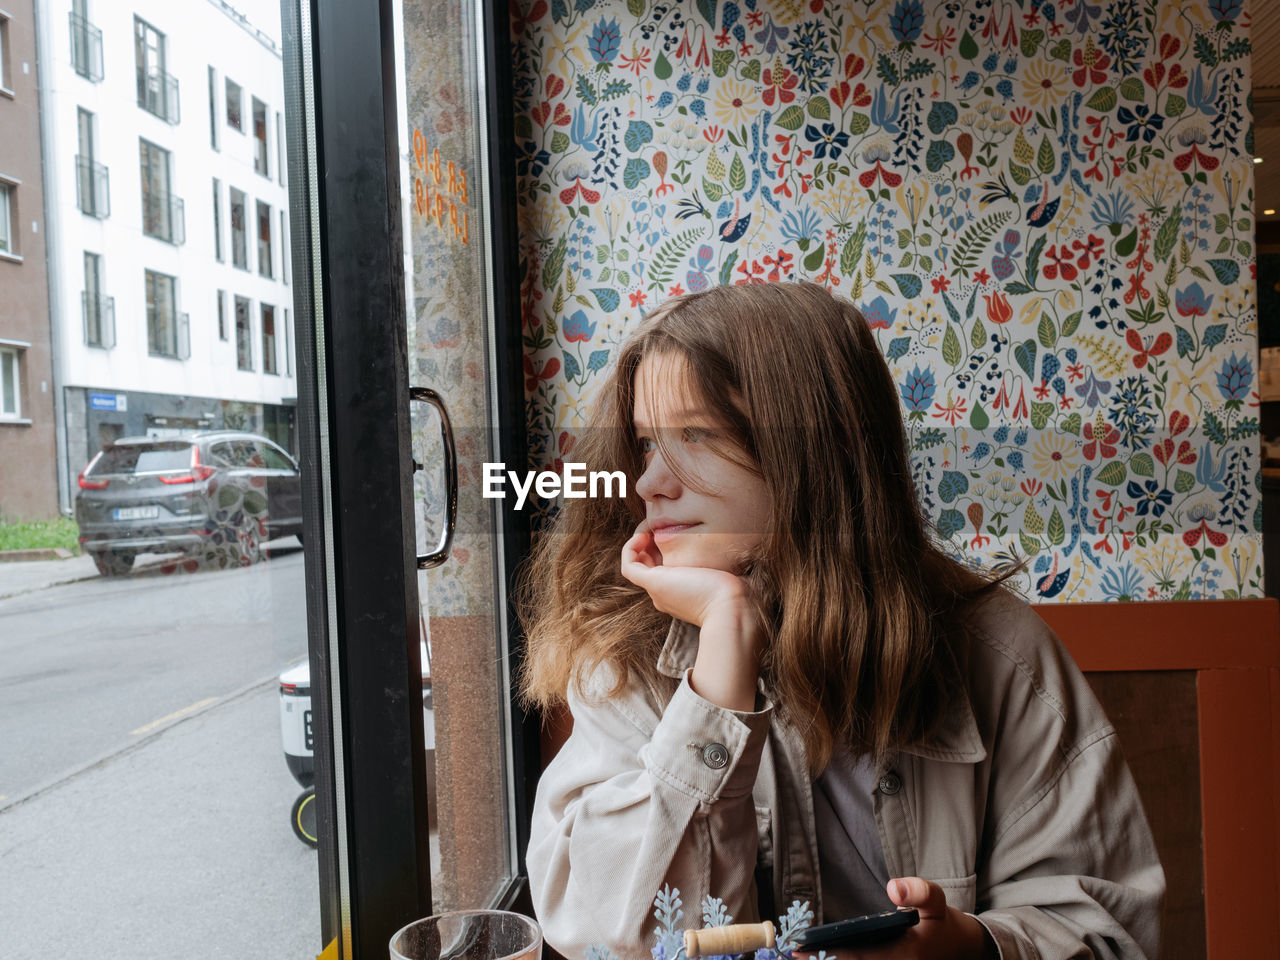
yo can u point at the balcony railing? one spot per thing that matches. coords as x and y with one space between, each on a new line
93 192
86 48
99 320
158 94
164 217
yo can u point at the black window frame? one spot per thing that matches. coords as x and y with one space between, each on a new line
371 790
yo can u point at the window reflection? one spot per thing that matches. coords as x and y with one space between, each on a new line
149 462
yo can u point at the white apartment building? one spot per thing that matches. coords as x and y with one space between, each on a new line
168 219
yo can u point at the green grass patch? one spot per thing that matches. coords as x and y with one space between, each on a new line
40 534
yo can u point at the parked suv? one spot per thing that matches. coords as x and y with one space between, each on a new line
216 496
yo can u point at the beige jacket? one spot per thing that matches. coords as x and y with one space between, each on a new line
1021 808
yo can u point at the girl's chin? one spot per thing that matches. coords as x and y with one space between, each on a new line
674 556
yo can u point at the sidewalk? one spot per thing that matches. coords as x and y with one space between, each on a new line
29 575
26 576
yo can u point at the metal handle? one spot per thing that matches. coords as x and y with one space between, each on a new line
428 560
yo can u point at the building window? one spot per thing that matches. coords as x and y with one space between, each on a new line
269 364
92 195
264 240
8 242
239 240
222 315
280 147
234 95
99 311
86 43
260 164
6 81
10 384
157 91
288 343
284 252
213 108
217 220
244 335
162 316
162 213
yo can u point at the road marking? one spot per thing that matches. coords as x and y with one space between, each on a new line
174 716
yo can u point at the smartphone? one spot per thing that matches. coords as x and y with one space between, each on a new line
860 931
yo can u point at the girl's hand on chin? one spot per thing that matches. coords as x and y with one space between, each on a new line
691 594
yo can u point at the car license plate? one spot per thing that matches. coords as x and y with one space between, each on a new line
137 513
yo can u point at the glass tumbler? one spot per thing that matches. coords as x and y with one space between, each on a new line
469 935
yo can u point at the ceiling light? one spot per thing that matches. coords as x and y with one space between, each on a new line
1268 212
1257 159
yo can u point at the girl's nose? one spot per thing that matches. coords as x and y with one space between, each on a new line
658 480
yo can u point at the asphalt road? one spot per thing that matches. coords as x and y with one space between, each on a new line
144 797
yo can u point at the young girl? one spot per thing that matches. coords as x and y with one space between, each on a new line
782 689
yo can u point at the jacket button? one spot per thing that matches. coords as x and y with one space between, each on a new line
890 784
715 755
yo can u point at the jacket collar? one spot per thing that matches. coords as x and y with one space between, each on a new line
956 740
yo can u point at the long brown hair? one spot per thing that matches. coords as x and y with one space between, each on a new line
865 612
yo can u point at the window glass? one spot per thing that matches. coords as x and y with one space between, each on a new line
5 80
93 305
244 336
157 91
442 145
6 224
248 453
217 220
220 455
260 137
239 240
158 214
9 386
280 148
264 240
162 319
123 459
284 251
275 458
269 339
146 792
91 176
213 108
86 44
233 105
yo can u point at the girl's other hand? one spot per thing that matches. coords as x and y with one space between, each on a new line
943 932
717 602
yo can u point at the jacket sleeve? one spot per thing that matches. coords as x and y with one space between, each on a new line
1071 869
630 803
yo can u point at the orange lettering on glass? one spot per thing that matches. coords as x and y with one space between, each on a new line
442 181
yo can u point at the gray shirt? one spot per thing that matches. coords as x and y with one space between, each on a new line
850 855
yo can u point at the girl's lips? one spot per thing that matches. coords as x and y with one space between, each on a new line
666 531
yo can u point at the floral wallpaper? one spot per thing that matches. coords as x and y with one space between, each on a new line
1044 210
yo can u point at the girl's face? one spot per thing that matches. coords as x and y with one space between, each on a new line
721 518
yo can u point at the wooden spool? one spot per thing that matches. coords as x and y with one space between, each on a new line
726 941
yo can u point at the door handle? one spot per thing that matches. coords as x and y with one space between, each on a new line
441 553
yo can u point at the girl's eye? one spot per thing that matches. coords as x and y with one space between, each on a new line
695 435
647 445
